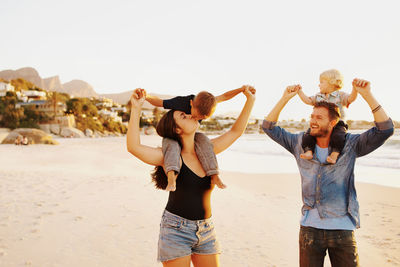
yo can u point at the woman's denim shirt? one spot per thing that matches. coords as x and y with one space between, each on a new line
330 188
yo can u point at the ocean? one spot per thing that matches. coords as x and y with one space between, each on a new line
257 153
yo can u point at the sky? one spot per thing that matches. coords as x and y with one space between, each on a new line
183 47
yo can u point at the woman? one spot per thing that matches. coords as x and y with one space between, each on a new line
186 232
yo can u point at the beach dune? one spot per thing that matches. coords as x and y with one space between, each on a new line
88 202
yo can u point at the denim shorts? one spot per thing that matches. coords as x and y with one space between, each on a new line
180 237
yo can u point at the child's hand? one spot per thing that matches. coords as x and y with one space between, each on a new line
362 86
139 92
249 91
291 91
138 97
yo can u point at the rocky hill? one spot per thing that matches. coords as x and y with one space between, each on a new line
53 84
79 88
76 88
28 73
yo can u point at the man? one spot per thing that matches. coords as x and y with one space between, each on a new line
330 208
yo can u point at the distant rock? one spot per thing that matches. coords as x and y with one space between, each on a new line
79 88
34 136
71 132
89 133
28 73
53 84
3 133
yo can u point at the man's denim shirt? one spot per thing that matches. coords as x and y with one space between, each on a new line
330 188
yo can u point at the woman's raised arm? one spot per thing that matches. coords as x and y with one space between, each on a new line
147 154
223 141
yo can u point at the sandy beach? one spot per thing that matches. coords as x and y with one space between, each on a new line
88 202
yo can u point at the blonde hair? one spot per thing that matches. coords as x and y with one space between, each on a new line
334 77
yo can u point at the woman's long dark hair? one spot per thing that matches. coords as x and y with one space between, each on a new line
166 128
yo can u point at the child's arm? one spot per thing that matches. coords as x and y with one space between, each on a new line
228 95
154 100
306 99
352 97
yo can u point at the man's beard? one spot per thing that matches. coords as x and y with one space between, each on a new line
322 132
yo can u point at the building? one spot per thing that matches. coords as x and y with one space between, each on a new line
45 106
34 95
105 103
5 87
110 114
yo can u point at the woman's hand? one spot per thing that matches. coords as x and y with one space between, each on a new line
137 98
249 92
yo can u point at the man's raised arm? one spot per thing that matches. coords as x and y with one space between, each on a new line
375 137
363 87
290 92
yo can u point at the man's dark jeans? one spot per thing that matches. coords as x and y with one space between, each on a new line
341 245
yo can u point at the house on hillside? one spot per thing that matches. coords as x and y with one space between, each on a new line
105 103
5 87
110 114
34 95
46 106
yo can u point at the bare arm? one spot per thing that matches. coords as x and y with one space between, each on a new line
363 87
289 92
232 93
225 140
154 100
306 99
352 97
147 154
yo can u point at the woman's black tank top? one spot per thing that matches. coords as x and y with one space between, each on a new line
191 199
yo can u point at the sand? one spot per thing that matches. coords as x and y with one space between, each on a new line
88 202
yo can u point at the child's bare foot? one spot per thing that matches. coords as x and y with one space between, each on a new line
217 181
332 158
307 155
171 186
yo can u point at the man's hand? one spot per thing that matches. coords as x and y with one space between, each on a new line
249 92
137 98
139 93
363 87
291 91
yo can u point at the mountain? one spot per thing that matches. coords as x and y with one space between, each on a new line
76 88
53 84
79 88
28 73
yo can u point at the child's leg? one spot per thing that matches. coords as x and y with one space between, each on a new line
338 139
171 151
205 153
308 144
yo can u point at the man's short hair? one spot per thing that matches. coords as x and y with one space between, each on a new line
333 109
205 103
